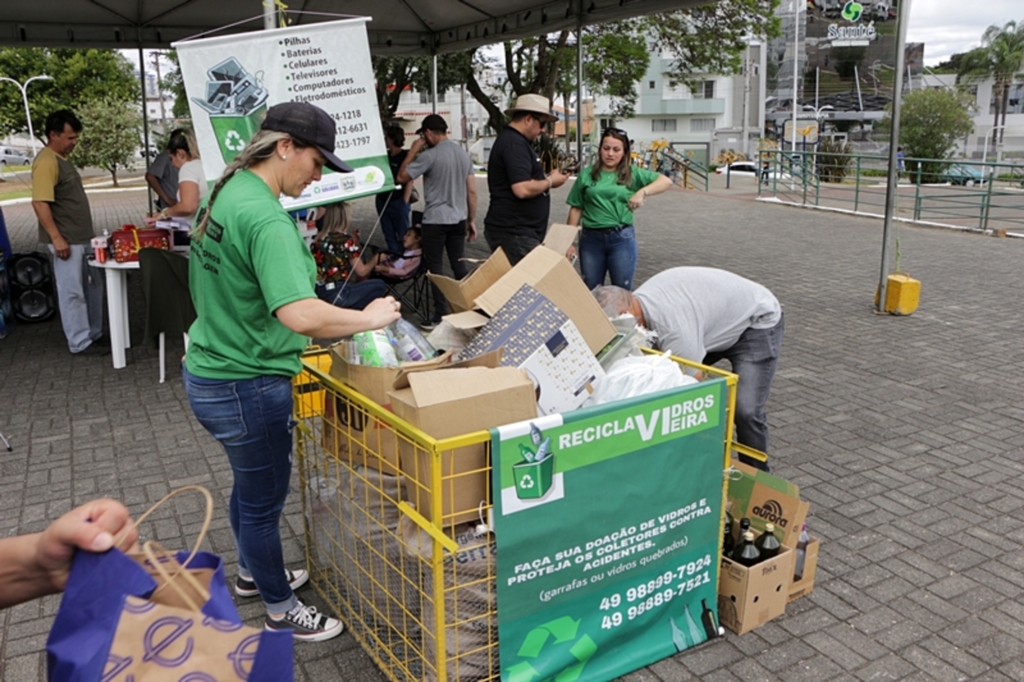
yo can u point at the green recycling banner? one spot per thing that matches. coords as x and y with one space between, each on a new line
607 524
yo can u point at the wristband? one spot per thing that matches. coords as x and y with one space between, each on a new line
550 183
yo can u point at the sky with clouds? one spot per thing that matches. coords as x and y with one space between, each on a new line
950 26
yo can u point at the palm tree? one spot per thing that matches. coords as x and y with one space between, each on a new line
1001 58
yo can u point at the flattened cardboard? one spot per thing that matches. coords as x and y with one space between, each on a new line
539 338
492 359
804 586
764 498
461 293
374 382
750 597
552 275
560 237
453 402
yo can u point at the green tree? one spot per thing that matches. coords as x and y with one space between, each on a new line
78 77
393 74
703 39
847 60
111 130
1001 58
932 121
172 82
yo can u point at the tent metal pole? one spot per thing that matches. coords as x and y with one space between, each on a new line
579 85
145 120
903 13
433 83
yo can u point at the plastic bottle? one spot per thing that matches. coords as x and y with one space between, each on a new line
801 553
409 342
767 543
746 553
374 348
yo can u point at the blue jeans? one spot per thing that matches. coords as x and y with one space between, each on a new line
754 358
252 420
394 219
354 295
611 250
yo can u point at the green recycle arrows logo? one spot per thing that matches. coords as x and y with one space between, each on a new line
559 631
852 11
233 141
526 482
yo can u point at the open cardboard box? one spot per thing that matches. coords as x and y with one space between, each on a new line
492 284
764 498
749 597
451 402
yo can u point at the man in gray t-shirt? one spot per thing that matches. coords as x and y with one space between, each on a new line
706 315
449 191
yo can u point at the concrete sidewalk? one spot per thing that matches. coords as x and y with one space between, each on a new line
905 434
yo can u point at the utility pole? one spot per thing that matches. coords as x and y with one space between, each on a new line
746 99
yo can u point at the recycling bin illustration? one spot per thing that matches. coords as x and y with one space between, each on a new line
236 102
533 479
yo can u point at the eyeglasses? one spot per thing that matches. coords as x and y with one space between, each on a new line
615 131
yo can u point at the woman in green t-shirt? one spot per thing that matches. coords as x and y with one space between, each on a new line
604 200
251 278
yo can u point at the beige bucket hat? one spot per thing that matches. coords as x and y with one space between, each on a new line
534 104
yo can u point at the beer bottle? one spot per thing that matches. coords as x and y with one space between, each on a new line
744 527
767 543
707 619
746 553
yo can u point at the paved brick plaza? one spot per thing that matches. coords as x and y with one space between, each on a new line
906 435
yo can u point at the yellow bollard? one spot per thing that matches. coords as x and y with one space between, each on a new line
902 294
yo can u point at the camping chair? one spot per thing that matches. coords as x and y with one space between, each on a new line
168 300
413 291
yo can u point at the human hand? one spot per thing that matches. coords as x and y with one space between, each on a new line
471 230
558 178
61 247
382 312
417 146
637 200
92 527
570 253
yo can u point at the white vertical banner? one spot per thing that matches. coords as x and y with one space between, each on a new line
231 81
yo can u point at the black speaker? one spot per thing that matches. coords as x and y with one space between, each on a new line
31 280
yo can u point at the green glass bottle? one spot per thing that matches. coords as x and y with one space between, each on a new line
679 637
767 543
696 634
746 553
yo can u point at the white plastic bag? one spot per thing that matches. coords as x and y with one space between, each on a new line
633 376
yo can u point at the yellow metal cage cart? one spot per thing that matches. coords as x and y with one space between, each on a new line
412 575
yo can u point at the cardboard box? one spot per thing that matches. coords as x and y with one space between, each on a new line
539 338
764 498
804 586
546 271
352 434
560 237
749 597
451 402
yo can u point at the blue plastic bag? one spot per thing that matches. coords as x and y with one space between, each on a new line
158 639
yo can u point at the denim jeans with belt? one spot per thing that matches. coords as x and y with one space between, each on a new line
252 420
754 357
612 250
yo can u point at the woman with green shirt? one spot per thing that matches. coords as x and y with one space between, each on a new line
604 200
252 281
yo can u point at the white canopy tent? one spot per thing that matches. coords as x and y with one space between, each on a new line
398 26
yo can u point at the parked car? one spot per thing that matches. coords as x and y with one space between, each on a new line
12 157
833 8
748 169
962 174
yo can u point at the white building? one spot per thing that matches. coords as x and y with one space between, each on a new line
980 142
720 113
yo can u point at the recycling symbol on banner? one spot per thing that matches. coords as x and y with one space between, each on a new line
233 141
526 482
543 637
852 11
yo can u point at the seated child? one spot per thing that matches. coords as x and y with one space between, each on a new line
341 272
401 267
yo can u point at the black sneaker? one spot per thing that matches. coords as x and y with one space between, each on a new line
93 349
306 624
247 588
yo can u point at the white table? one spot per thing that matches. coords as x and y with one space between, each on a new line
117 307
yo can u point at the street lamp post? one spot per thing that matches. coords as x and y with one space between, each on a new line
24 96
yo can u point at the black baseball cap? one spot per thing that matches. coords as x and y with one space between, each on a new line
308 124
435 123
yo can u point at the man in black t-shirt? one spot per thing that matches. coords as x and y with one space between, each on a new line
517 217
